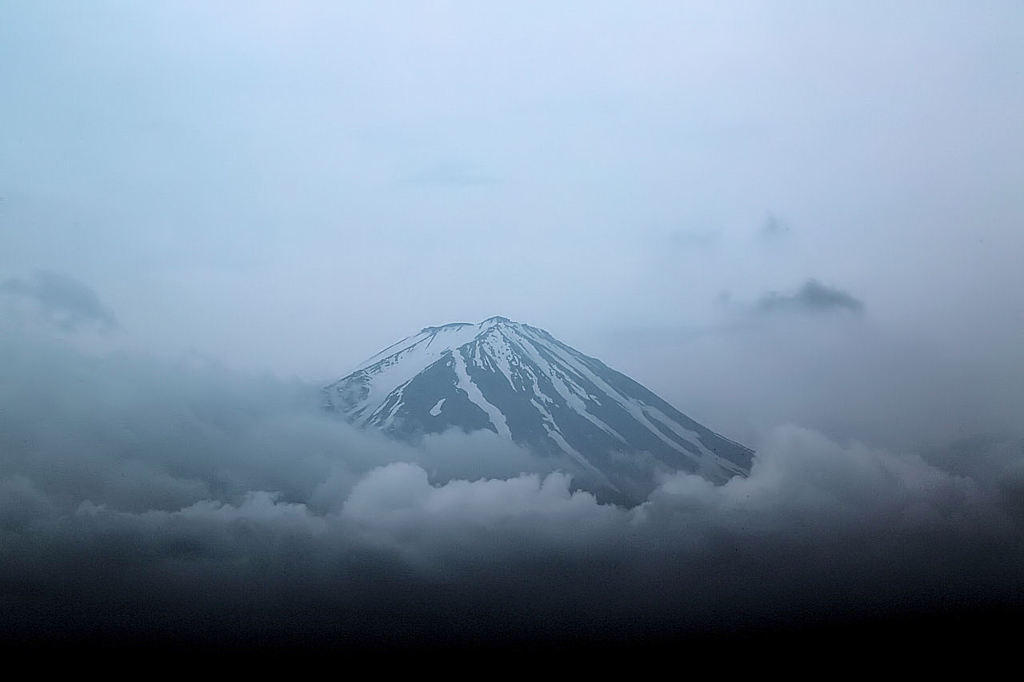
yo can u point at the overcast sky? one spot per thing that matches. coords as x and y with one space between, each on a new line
801 223
767 212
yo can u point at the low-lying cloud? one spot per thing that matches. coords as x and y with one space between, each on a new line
142 498
63 300
811 297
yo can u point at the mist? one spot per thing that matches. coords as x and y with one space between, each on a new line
153 502
798 223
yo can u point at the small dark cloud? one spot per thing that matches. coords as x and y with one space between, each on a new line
811 297
64 300
773 228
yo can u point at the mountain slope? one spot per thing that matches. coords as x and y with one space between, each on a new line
523 384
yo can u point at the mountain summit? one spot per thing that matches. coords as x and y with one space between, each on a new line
528 387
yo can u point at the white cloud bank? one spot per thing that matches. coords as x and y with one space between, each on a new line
130 488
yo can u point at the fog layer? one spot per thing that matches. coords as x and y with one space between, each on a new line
139 497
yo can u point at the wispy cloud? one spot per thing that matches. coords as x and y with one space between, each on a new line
64 300
811 297
773 228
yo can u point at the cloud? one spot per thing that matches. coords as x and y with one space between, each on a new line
148 498
63 300
811 297
773 229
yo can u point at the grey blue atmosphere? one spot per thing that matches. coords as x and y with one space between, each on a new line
720 348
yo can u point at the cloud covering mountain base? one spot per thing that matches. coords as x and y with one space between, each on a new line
142 500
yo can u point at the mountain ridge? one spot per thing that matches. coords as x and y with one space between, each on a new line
526 386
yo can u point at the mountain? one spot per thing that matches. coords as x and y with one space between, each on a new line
527 386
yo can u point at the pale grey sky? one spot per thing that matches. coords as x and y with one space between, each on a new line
288 187
802 223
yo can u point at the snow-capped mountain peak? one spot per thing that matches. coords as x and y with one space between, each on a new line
523 384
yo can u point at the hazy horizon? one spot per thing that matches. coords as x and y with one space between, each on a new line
799 223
